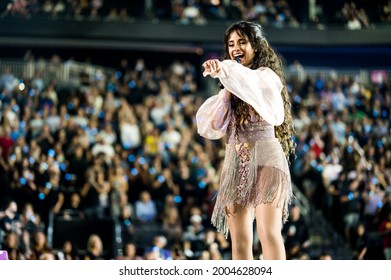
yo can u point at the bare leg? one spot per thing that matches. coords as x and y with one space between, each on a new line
240 223
269 223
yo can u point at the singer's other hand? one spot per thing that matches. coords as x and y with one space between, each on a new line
212 67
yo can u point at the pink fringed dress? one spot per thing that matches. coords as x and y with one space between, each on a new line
255 168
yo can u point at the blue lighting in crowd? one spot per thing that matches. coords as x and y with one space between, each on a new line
201 172
367 128
41 196
194 159
161 178
186 87
51 153
375 113
384 113
319 84
131 158
23 181
289 87
68 177
118 75
63 166
48 185
202 185
26 149
89 110
134 171
177 199
350 149
142 160
152 170
44 165
31 160
297 99
319 168
132 84
111 87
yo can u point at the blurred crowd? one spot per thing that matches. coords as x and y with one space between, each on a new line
343 162
125 147
277 13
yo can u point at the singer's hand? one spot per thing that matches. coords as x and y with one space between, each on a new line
212 67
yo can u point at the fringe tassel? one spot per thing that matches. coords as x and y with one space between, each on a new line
268 181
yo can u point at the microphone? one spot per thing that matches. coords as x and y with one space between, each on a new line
237 59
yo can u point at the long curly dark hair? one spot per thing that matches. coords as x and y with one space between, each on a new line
265 56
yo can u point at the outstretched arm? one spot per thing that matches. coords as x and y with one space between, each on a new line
260 88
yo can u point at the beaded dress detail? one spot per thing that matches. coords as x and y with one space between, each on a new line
255 171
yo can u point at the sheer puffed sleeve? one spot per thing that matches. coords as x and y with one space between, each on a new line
260 88
213 116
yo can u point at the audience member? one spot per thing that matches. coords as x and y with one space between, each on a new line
295 233
359 242
94 248
385 234
145 208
